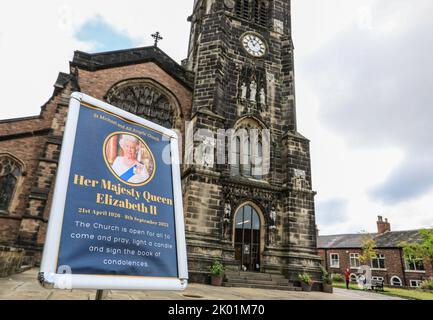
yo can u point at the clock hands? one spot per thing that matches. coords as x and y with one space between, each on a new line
254 45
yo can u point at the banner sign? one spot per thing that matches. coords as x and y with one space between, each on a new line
117 219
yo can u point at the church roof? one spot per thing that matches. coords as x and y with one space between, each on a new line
62 80
120 58
391 239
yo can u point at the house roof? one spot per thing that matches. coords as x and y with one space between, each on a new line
395 238
341 241
391 239
120 58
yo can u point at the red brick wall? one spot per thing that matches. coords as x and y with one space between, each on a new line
27 149
97 83
393 265
9 229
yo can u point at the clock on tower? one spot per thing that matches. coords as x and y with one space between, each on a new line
254 44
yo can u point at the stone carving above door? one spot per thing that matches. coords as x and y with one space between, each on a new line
143 99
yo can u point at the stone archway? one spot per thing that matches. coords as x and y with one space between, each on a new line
147 99
248 236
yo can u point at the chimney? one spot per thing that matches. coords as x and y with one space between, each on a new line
383 226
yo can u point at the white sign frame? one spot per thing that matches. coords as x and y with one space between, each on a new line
51 278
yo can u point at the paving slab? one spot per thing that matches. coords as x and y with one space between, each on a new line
25 286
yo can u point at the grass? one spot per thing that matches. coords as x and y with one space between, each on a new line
396 292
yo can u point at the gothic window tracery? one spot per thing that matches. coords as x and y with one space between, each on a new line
247 150
256 11
261 12
143 99
242 8
10 171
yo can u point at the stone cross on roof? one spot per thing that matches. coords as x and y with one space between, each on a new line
157 37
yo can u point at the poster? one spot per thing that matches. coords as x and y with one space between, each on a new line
117 207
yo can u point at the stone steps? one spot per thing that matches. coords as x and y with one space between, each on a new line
258 280
244 280
262 286
254 275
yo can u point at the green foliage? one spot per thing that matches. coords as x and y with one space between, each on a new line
326 277
418 250
217 268
427 284
305 278
369 251
337 278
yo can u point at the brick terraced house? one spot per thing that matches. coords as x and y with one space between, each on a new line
239 74
340 252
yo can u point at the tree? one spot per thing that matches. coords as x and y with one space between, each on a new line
422 249
369 251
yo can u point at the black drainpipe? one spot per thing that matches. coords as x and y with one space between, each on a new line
403 267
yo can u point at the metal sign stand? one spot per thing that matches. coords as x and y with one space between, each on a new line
82 110
101 294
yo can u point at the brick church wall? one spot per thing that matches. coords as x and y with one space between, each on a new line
22 140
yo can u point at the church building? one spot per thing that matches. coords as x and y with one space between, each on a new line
239 75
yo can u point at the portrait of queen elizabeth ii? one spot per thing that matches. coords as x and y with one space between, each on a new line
129 158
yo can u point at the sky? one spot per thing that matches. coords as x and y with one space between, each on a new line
364 89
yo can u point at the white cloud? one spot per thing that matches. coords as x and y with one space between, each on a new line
38 42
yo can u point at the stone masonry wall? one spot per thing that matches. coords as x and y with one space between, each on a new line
10 261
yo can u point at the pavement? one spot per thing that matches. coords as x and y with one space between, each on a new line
25 286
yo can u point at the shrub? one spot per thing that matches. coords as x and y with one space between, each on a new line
427 284
326 277
305 278
336 277
217 269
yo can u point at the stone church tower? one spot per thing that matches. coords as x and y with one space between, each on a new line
241 53
255 209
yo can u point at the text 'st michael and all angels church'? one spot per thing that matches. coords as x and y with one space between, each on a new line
239 76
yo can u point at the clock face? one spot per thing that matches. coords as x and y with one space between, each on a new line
254 45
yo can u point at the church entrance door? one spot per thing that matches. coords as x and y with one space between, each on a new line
247 238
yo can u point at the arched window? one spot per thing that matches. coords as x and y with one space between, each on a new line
146 99
257 161
236 156
246 157
261 12
10 171
242 8
396 281
248 149
254 10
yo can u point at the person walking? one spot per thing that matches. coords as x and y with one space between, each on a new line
347 278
